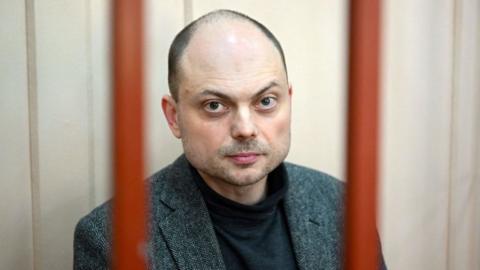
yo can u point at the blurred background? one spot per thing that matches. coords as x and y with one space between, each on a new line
55 117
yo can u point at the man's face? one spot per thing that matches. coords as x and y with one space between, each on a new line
233 109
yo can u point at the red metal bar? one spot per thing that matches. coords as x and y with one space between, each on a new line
361 238
129 213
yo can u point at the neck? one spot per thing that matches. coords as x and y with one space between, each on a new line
247 195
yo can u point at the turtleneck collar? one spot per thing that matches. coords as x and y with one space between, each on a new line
277 186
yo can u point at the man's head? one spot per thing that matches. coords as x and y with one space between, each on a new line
182 39
231 98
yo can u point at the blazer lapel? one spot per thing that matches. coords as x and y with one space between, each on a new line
300 236
314 233
188 230
191 240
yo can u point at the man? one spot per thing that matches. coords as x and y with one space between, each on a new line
230 202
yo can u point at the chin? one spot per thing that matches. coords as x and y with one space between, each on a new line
248 181
245 178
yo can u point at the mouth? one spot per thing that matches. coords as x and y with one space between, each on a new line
245 158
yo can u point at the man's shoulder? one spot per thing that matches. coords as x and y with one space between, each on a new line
95 223
92 239
309 176
100 216
311 183
160 184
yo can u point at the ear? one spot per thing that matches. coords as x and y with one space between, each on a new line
169 106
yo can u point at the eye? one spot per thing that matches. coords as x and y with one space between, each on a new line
267 103
215 107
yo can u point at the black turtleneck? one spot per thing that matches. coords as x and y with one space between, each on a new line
252 236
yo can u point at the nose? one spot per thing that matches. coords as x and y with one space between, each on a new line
243 126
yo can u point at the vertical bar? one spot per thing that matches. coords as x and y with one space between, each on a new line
361 237
129 213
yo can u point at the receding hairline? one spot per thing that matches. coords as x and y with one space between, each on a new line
184 37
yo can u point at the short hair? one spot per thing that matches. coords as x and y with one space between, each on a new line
183 38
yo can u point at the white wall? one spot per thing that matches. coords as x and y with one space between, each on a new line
55 117
418 61
430 159
16 242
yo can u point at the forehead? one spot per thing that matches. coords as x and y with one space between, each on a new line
232 52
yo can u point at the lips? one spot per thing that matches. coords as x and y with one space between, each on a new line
244 158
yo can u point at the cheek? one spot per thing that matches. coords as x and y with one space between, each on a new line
203 135
278 128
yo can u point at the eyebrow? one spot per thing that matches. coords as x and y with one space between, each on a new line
222 95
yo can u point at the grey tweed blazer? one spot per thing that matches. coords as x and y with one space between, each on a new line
182 235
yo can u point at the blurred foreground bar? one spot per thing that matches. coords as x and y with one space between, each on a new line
129 213
362 141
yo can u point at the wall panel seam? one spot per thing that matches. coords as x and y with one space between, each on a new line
33 126
90 101
453 120
477 84
476 154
